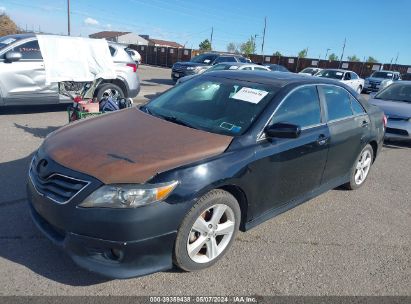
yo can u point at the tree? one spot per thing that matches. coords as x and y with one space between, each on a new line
278 54
353 58
233 48
7 26
372 59
333 57
303 53
248 47
205 45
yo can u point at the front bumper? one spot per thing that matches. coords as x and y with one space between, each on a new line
398 129
371 88
136 243
176 74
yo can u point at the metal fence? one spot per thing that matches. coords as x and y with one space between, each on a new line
166 56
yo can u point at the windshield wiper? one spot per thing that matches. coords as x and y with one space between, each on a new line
177 121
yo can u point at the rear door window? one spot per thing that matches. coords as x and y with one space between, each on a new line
338 102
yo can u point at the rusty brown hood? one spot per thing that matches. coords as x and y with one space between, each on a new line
130 146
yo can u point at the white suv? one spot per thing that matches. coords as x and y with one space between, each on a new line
23 77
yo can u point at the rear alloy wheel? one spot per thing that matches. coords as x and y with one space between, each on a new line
207 231
361 168
109 90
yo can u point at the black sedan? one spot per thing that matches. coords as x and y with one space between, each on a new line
136 191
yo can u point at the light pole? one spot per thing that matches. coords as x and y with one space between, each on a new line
68 17
326 53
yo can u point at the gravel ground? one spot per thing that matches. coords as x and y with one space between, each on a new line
340 243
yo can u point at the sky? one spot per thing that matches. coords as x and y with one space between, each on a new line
377 28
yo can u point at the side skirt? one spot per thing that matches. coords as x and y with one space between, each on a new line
296 202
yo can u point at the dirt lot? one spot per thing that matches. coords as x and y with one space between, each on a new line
341 243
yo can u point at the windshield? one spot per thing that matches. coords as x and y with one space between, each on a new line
330 74
204 58
213 104
307 70
385 75
397 92
6 40
221 66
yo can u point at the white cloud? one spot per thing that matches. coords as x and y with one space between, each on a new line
2 9
90 21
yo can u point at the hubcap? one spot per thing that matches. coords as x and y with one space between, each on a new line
363 167
211 233
114 94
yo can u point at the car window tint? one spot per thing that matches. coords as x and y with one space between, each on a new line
247 68
226 59
338 102
356 106
112 50
242 59
259 69
29 50
301 107
354 76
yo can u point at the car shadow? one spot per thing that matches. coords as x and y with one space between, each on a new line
36 132
160 81
20 240
397 144
8 110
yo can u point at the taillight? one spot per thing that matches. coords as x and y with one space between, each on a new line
132 65
384 121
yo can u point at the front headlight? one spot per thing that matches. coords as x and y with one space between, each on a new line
128 195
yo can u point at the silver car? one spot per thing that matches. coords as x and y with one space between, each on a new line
379 80
23 77
395 101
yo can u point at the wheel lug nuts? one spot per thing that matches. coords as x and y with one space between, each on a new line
210 226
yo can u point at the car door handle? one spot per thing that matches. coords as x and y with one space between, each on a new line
322 140
365 123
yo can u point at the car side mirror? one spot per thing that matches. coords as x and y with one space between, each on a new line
12 56
282 130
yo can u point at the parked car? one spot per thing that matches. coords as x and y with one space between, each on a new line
228 66
202 62
23 77
276 67
379 80
406 76
134 55
310 71
349 78
222 152
395 101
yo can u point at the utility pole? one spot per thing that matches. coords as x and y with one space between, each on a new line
211 37
391 63
68 17
342 54
396 59
262 44
326 53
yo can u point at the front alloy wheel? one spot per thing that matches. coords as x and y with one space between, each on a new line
207 231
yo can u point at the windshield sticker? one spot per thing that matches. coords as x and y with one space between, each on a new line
207 61
250 95
234 67
8 41
389 74
230 127
339 73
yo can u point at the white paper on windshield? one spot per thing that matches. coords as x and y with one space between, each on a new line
233 67
207 61
389 74
339 73
8 41
250 95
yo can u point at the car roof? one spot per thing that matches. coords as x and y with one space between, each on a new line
220 54
388 71
279 79
339 70
22 36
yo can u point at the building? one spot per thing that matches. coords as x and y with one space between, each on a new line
162 43
121 37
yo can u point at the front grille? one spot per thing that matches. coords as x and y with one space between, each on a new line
397 131
375 82
57 187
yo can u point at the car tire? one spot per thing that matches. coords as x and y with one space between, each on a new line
361 168
109 90
359 90
202 239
